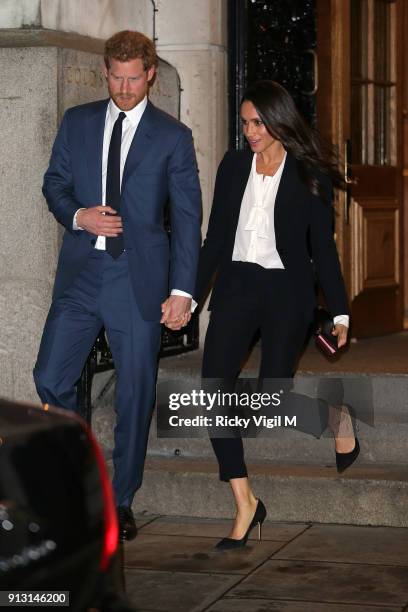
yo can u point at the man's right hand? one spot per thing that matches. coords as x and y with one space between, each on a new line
95 221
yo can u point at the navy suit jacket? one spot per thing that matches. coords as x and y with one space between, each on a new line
303 231
160 166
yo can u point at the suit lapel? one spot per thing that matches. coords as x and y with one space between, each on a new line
93 145
286 187
142 140
239 182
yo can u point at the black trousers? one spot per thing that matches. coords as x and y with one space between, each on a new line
255 299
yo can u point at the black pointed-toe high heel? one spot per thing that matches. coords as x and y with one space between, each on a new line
344 460
258 519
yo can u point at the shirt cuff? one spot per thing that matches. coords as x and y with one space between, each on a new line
75 226
184 294
342 320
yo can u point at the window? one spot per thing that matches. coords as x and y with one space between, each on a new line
373 82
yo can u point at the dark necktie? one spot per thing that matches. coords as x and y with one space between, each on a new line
114 246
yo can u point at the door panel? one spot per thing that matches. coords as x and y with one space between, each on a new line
368 114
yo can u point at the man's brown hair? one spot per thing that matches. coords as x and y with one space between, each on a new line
127 45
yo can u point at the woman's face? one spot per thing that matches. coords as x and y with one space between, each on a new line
255 132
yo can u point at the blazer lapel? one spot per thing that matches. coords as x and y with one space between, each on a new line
142 140
239 182
286 187
93 145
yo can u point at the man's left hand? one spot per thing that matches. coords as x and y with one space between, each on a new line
176 311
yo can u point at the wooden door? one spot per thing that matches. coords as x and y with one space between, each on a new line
360 110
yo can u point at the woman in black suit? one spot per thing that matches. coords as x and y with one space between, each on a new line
271 203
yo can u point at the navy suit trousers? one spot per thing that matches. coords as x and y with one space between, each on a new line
101 295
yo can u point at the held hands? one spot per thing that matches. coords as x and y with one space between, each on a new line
176 312
95 221
341 332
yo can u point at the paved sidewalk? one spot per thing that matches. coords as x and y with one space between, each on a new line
172 566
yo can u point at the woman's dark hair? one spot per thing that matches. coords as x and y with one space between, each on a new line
281 118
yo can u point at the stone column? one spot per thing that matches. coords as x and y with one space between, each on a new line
192 36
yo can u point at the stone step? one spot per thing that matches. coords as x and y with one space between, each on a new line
385 442
293 473
364 495
385 445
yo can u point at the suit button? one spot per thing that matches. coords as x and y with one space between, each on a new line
93 241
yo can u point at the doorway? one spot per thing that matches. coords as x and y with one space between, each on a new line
359 109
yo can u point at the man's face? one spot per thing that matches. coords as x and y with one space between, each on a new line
128 82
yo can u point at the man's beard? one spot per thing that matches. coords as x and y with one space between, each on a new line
126 100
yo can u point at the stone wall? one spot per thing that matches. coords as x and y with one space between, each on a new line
94 18
29 242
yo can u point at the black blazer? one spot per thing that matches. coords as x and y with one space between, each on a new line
303 223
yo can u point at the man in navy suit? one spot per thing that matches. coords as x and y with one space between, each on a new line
114 165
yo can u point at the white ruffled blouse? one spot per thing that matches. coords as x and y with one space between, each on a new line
255 236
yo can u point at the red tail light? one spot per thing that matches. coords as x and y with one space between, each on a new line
111 535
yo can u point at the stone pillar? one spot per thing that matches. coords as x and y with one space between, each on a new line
192 36
28 248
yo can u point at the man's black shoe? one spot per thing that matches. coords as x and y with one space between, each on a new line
127 525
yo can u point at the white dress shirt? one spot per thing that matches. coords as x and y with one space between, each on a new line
129 127
255 239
